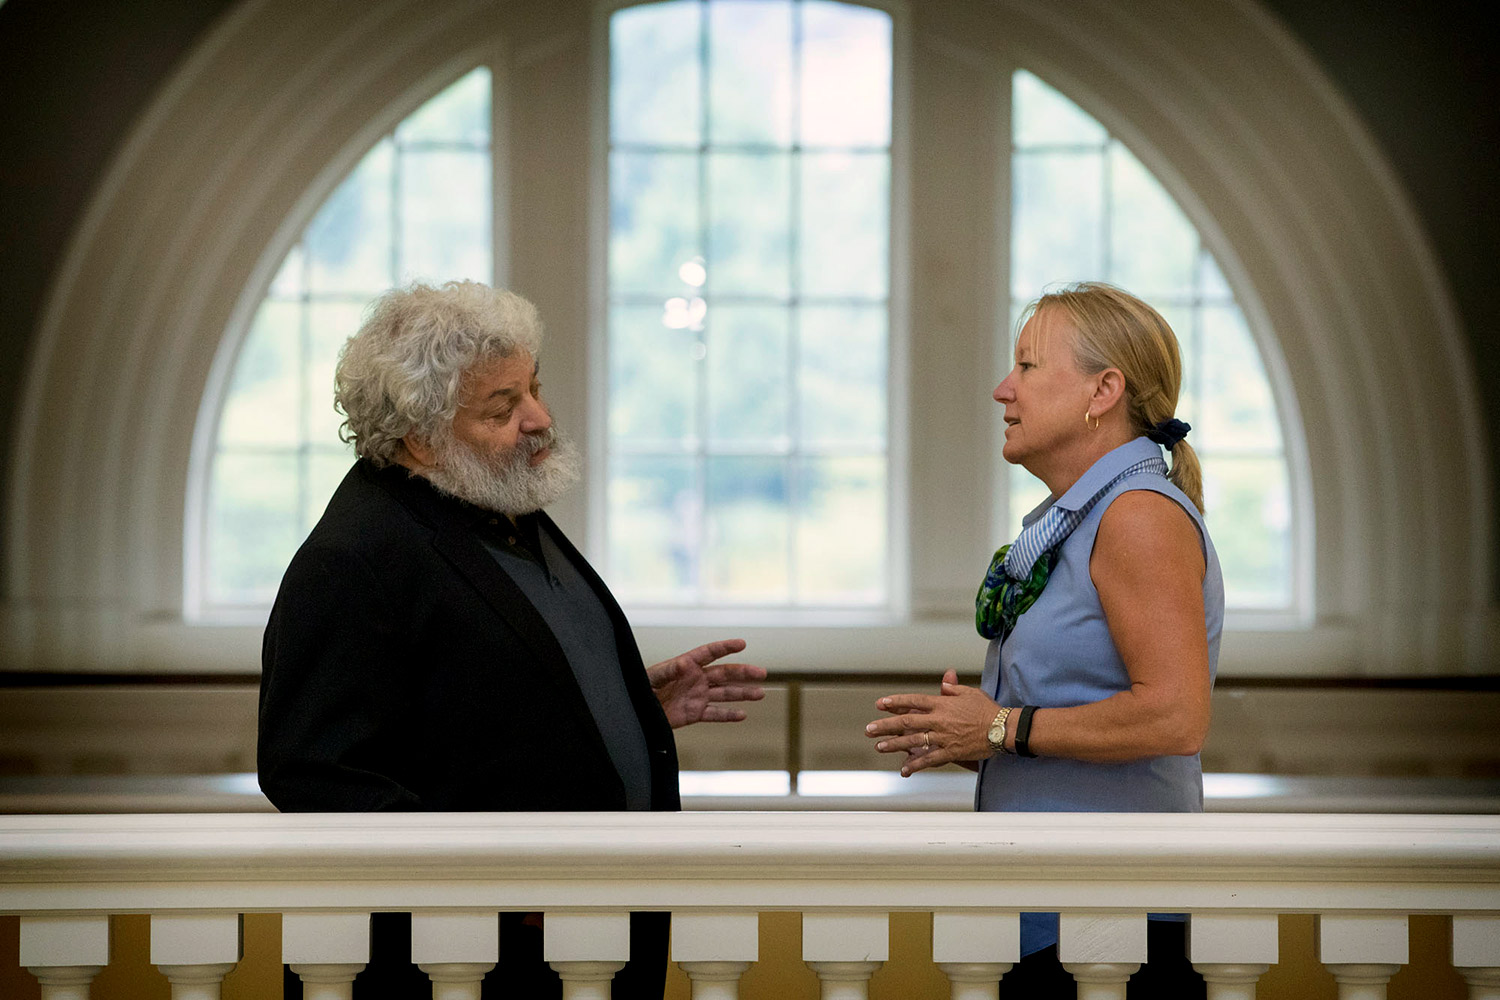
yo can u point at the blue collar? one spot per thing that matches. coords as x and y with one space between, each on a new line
1100 473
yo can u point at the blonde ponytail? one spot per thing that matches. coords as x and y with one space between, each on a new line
1187 474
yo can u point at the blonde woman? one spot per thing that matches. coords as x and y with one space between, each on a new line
1103 616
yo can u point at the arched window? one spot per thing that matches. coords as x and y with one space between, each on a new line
110 554
1084 207
416 206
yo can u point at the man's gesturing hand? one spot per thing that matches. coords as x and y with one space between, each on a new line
690 690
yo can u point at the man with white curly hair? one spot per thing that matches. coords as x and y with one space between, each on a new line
436 620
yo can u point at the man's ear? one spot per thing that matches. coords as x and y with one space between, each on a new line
1109 391
419 448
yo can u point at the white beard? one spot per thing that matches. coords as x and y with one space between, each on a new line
506 482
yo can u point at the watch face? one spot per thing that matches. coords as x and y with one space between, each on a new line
997 732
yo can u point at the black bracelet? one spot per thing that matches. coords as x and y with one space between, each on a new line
1023 731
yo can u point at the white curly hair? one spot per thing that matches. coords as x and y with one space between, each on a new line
403 371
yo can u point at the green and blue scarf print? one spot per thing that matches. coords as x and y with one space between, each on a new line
1018 573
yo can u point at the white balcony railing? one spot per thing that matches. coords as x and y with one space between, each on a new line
196 875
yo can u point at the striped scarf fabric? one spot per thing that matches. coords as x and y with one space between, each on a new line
1019 571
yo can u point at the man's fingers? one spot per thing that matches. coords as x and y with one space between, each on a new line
726 673
736 692
710 651
713 713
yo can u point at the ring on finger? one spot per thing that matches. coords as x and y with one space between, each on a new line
926 741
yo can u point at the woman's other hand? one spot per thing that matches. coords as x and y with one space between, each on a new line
950 727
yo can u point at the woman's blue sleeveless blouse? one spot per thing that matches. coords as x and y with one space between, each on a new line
1061 654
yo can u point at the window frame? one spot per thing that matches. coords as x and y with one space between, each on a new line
896 609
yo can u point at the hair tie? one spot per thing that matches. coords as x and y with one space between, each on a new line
1169 432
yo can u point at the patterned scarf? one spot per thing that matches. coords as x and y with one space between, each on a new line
1020 570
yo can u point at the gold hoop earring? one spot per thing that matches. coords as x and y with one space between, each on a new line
1091 426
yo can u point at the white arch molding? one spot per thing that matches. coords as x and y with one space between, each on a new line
282 96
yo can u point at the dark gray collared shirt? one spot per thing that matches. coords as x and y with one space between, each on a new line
529 556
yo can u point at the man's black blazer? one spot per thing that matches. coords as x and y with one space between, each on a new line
403 669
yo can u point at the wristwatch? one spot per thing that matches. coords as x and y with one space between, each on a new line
996 735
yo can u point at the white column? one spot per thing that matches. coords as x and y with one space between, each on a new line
586 949
195 951
65 953
1231 951
845 949
1476 955
326 951
455 949
1362 951
974 948
1101 951
715 949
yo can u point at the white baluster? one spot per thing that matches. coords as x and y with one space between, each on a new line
65 953
1476 955
1101 951
326 951
1362 951
455 950
196 951
1231 951
586 949
715 949
974 948
845 949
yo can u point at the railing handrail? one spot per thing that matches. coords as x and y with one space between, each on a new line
771 860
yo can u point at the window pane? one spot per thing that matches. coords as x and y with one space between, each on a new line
1058 220
288 281
1249 517
1045 117
653 222
655 91
261 407
253 508
842 380
460 114
1238 411
749 391
749 224
1153 246
842 508
654 510
349 241
771 262
748 530
653 385
1211 283
846 75
330 324
750 70
445 216
845 215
